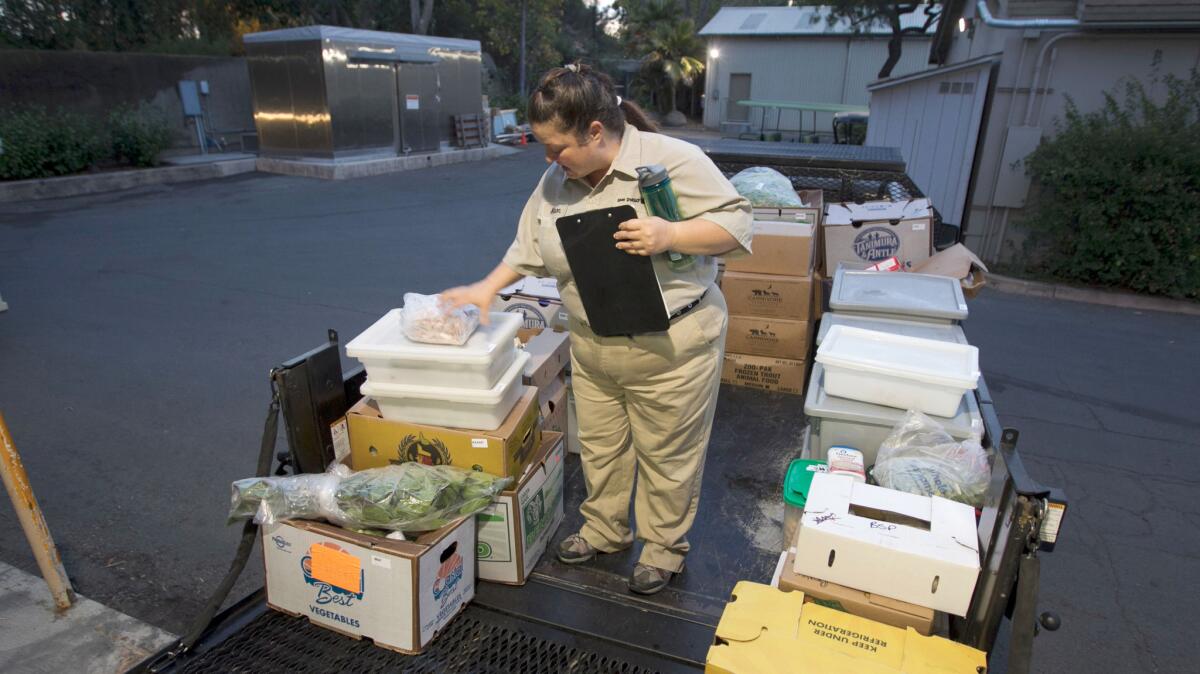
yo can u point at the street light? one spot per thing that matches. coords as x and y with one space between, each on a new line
714 52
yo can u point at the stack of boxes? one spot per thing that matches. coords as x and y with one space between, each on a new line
401 593
770 298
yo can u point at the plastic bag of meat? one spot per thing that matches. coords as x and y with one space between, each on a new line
430 320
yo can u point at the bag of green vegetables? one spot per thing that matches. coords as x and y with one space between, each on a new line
400 497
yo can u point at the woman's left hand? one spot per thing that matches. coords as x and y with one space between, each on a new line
646 236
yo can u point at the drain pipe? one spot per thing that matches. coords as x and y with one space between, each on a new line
985 14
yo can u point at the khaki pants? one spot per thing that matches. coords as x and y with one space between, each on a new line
645 407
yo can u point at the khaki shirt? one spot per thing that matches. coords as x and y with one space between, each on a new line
702 192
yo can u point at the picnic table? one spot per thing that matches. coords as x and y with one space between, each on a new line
780 106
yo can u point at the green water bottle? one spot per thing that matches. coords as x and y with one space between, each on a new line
660 200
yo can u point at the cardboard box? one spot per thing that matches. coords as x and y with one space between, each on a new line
772 337
822 288
784 248
550 354
876 230
957 262
918 549
375 441
839 597
767 295
554 409
810 213
538 300
779 375
766 631
516 528
398 593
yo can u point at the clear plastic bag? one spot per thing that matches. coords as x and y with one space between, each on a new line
766 188
430 320
920 457
401 497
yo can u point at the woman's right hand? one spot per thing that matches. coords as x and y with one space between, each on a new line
479 294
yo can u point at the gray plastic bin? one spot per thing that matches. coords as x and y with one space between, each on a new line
863 426
898 326
921 297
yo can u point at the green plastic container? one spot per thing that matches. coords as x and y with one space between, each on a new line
795 493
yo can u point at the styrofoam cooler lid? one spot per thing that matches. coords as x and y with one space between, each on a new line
923 360
469 396
817 403
898 326
386 339
898 293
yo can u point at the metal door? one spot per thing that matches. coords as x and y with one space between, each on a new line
739 90
419 108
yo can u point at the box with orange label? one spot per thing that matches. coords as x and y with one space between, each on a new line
400 594
375 441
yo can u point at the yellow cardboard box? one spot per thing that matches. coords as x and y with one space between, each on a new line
375 441
767 631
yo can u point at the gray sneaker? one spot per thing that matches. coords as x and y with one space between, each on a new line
575 550
648 579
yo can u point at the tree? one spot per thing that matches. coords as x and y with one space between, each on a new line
672 51
422 14
864 14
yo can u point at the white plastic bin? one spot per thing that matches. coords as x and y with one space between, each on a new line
907 373
864 426
897 325
479 409
392 358
915 297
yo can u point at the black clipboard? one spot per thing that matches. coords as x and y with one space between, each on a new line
620 292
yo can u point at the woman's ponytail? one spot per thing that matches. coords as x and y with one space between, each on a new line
637 117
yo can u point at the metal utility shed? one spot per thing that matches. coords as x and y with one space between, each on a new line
326 92
934 118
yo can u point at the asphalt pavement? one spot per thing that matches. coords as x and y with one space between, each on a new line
142 325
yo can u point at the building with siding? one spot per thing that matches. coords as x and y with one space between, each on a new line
793 54
1002 73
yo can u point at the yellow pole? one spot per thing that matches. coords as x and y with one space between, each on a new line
30 515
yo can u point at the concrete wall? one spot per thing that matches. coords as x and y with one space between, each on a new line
1082 66
807 70
95 82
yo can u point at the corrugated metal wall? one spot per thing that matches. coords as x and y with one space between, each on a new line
935 122
806 70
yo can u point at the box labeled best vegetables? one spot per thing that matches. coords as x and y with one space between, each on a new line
515 529
398 593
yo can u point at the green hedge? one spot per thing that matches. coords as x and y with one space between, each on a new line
1116 198
41 144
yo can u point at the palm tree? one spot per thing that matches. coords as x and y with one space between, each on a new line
672 50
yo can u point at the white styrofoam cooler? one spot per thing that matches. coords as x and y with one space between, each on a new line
907 373
479 409
392 358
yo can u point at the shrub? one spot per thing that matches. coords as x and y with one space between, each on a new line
39 144
138 134
1116 199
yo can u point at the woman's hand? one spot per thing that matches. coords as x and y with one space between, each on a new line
479 294
646 236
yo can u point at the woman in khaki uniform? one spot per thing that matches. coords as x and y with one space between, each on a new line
645 402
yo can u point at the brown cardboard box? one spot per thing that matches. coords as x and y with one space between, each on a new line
957 262
554 406
774 337
767 295
550 354
375 441
881 609
822 288
767 374
400 594
779 248
871 232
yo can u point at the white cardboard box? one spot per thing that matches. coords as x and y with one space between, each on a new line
918 549
515 529
537 299
874 231
398 593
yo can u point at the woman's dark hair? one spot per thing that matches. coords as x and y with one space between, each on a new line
577 95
